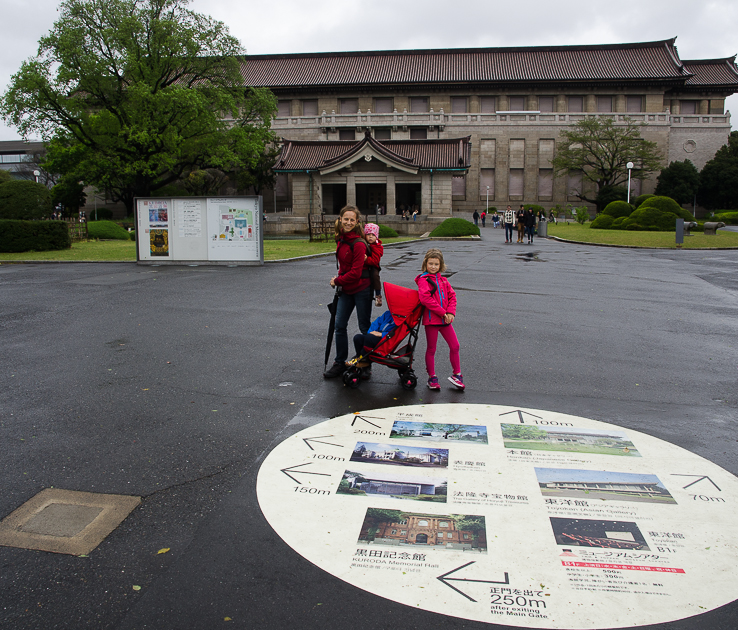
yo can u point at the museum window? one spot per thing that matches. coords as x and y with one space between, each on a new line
403 521
349 105
486 179
545 103
383 106
466 536
517 104
634 104
458 186
516 183
423 523
419 104
574 184
346 134
545 184
575 104
403 532
443 524
383 133
459 105
688 107
310 108
284 109
418 133
604 104
280 185
488 104
394 531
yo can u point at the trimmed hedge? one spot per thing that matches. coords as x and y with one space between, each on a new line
667 204
23 200
602 221
103 214
29 236
650 219
730 218
638 201
107 230
617 209
385 231
456 227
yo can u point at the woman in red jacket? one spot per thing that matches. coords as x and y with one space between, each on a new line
353 283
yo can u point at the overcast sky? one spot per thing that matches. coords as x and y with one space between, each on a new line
704 30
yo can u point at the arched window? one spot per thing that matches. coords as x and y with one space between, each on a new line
423 523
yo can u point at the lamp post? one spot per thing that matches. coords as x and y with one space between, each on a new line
487 206
36 174
629 166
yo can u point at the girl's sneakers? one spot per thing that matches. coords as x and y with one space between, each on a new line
457 380
433 383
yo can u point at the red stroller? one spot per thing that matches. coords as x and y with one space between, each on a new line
406 310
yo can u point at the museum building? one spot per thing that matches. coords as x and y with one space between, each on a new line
424 529
445 131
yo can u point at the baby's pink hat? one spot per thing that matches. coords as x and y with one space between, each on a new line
371 228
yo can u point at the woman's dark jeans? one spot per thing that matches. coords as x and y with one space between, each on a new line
346 303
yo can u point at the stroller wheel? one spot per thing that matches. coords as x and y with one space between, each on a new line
408 380
352 378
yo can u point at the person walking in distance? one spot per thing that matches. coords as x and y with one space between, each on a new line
520 221
509 220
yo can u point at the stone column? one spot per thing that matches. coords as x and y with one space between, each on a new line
590 103
704 107
532 102
561 103
619 104
350 189
503 103
391 198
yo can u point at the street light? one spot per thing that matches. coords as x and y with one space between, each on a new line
36 174
487 207
629 166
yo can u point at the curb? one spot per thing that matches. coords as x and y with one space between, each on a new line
700 249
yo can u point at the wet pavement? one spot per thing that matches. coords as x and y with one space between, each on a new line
173 383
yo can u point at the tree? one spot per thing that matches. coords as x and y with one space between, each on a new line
719 178
448 429
523 432
600 149
133 94
69 193
680 181
260 175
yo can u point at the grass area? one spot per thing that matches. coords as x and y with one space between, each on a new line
584 234
92 251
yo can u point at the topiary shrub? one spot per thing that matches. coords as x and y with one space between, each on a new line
24 200
39 236
103 214
107 230
731 218
602 222
456 227
638 201
651 219
608 194
385 231
667 204
617 224
617 209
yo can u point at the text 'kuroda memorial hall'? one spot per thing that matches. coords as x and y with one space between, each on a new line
442 131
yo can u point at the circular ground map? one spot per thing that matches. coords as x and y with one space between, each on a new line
521 517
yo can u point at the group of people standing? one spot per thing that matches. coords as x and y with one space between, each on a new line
358 254
525 220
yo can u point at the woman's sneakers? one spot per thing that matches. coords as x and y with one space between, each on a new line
457 380
335 370
433 383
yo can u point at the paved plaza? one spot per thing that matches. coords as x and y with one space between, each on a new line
173 384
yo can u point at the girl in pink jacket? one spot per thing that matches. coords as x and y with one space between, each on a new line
439 300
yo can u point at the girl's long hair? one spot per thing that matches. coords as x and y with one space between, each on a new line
358 228
433 253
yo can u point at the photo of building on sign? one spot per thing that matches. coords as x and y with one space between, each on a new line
368 452
393 485
567 440
599 485
582 532
395 528
436 432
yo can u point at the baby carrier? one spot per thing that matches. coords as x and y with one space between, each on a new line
406 309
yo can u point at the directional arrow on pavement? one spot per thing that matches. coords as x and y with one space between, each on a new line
520 413
303 472
700 478
445 580
317 441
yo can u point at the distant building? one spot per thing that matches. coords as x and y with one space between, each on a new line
17 155
424 529
621 487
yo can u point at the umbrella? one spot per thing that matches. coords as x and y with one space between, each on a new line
332 307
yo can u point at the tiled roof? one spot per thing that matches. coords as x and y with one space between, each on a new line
712 72
311 155
645 61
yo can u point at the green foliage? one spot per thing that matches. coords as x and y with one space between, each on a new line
171 190
385 231
608 194
134 94
536 209
107 230
204 182
601 149
100 214
69 193
456 227
40 236
651 218
617 224
602 222
582 215
5 176
523 432
667 204
640 199
24 200
730 218
259 174
617 209
680 181
491 209
719 178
